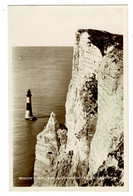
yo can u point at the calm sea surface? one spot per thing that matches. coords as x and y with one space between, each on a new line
47 72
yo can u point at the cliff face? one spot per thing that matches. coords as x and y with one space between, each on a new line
92 142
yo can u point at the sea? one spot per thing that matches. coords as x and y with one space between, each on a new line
46 71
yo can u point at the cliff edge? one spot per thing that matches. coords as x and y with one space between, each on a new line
89 151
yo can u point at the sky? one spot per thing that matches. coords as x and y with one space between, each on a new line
56 25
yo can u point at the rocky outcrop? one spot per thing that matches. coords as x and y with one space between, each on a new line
89 151
46 153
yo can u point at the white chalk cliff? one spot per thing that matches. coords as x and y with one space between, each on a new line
88 150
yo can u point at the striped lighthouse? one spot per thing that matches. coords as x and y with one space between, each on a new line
28 113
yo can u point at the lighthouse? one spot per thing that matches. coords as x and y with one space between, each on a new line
28 113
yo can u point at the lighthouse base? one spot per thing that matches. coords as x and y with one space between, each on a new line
31 118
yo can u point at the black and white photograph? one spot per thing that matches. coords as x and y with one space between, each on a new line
68 97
